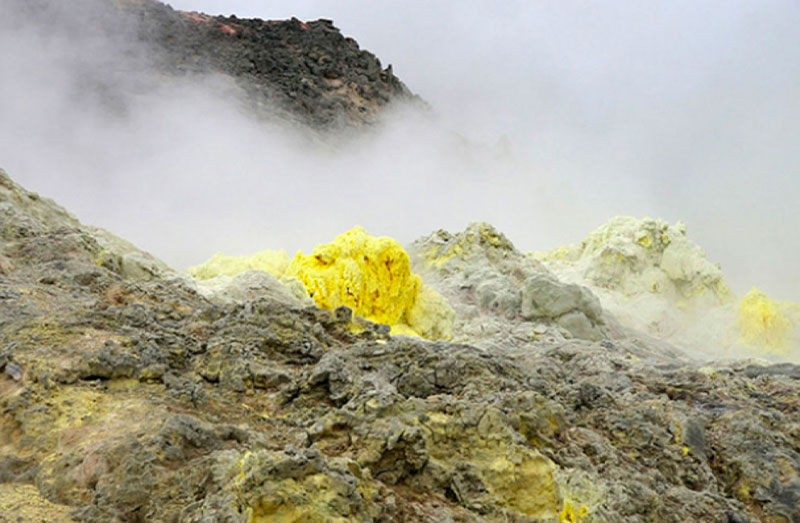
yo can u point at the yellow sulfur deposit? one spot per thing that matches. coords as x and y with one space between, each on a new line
766 323
26 503
513 476
273 262
570 514
371 275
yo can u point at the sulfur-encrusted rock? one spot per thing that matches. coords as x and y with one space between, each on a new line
496 290
369 275
638 256
768 325
125 398
652 278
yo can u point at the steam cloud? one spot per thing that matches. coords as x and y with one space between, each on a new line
549 119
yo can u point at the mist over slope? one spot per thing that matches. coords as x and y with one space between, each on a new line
674 110
544 132
199 130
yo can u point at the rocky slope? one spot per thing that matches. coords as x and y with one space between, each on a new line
307 72
125 395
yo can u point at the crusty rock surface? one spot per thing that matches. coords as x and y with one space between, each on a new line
501 296
128 396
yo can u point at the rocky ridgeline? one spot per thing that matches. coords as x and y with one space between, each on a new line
125 395
306 72
307 68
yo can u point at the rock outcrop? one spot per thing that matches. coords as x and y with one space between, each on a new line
306 72
499 294
651 277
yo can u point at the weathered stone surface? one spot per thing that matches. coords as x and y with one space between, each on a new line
572 307
497 291
253 284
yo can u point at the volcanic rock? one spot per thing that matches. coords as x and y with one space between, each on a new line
127 395
500 294
131 392
307 72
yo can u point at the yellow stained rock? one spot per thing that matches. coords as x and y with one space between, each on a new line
524 484
516 477
640 256
273 262
24 502
371 275
431 316
766 323
572 515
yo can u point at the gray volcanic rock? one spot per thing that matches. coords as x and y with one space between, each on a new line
499 292
125 395
253 284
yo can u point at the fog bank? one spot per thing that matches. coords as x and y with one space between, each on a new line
547 120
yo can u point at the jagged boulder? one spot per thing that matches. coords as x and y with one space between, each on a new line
495 289
572 307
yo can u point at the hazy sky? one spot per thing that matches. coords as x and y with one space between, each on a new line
575 112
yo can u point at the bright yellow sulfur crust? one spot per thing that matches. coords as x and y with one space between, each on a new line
371 275
571 514
766 323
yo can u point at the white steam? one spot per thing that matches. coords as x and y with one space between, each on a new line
550 118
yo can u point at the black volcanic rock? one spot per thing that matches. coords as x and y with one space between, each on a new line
309 68
305 71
